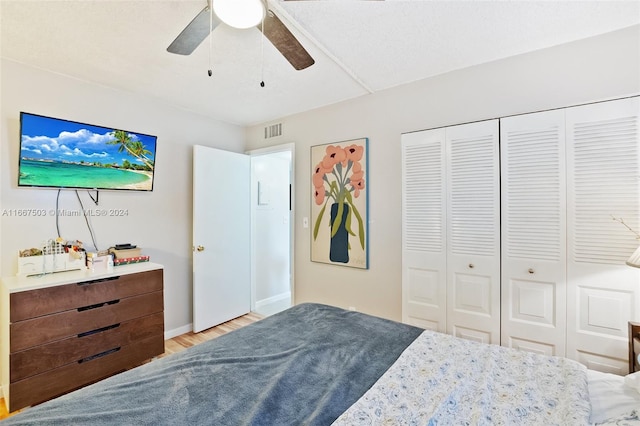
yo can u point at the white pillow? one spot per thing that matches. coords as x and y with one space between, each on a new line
633 381
610 397
629 419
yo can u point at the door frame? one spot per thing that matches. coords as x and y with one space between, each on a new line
287 147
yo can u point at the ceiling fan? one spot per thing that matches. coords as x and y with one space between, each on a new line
273 28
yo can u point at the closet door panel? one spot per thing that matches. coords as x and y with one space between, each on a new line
473 231
600 306
423 229
533 174
604 182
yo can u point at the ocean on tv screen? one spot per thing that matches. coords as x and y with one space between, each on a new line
71 175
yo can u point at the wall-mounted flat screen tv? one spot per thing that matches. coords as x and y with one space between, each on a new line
56 153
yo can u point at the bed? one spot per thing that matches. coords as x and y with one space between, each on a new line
319 365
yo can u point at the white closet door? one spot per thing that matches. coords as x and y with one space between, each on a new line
604 170
533 232
473 231
423 230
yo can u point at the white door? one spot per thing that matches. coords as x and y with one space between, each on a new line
473 231
424 249
603 158
533 232
221 236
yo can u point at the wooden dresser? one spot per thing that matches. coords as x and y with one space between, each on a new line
63 331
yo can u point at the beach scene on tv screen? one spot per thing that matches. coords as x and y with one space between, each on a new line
59 153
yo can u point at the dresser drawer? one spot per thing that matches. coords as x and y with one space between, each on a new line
38 359
65 331
36 303
52 383
49 328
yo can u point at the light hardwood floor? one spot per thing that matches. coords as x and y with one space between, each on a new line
184 341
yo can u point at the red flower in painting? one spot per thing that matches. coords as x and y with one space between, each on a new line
356 176
354 152
318 179
335 155
319 195
358 186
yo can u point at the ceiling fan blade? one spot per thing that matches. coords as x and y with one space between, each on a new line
280 36
194 33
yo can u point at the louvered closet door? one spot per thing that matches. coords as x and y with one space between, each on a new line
423 230
604 170
533 232
473 231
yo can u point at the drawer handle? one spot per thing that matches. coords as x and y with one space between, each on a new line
99 330
98 305
89 358
98 280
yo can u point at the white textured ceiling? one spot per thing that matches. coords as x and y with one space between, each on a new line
359 47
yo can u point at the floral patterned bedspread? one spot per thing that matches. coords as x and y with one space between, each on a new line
443 380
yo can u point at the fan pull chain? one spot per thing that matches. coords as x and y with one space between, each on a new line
262 54
209 71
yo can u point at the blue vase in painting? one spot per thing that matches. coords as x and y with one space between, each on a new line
339 245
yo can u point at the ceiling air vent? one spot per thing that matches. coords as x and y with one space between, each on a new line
273 130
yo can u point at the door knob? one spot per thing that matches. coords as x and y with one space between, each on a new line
531 271
200 248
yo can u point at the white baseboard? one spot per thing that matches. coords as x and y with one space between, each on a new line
274 303
261 305
273 299
170 334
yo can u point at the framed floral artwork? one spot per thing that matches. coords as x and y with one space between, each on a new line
339 206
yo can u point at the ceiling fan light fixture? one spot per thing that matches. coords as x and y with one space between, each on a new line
239 13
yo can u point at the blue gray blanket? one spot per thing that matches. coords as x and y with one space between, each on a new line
304 366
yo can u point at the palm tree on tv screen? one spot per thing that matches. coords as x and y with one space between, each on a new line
140 151
134 148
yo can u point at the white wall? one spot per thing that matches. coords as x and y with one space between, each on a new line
598 68
271 225
159 222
